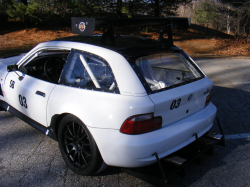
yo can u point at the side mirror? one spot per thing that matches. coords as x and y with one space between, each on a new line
15 67
12 67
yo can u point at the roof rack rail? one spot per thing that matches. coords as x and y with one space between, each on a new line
87 26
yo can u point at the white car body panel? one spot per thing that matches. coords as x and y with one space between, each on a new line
34 106
95 108
3 70
11 60
124 150
194 90
105 112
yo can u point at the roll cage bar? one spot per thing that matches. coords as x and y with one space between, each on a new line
87 26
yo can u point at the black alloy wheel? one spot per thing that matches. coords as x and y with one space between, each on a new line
78 147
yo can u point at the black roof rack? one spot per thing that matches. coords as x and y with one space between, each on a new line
87 26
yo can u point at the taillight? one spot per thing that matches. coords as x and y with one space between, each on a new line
140 124
208 99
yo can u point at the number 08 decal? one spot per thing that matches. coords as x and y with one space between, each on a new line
175 104
23 101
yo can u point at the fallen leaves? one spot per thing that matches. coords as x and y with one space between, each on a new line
193 41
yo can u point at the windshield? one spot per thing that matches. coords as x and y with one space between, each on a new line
166 69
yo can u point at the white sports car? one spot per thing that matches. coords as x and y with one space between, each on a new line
107 105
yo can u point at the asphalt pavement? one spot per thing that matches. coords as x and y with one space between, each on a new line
29 158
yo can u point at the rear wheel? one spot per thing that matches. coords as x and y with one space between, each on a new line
78 147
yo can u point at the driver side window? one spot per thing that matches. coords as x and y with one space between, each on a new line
88 71
46 65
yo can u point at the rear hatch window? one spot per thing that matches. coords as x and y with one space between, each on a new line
167 70
174 83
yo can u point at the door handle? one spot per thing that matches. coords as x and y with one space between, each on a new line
207 90
40 93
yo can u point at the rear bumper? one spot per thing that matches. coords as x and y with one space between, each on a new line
123 150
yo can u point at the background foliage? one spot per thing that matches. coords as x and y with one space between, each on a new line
232 16
225 15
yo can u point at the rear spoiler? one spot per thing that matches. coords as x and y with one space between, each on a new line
87 26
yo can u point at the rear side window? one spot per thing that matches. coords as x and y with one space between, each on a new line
167 69
88 71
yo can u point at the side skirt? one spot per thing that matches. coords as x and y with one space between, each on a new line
46 130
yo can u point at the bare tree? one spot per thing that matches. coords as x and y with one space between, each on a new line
232 16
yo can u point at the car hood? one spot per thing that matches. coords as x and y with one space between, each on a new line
4 62
10 60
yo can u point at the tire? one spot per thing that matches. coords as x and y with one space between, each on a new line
78 147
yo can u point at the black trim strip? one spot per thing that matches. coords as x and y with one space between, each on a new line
26 119
1 92
40 93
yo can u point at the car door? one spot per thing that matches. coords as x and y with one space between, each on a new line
29 95
29 92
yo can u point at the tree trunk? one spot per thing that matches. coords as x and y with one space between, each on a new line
119 8
25 2
183 10
157 9
228 21
228 24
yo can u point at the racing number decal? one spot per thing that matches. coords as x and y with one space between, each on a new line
175 104
23 101
12 83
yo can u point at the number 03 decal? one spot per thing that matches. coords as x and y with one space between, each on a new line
23 101
175 104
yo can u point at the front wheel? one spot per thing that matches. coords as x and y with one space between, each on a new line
78 147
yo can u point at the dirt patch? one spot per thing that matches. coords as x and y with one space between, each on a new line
195 41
